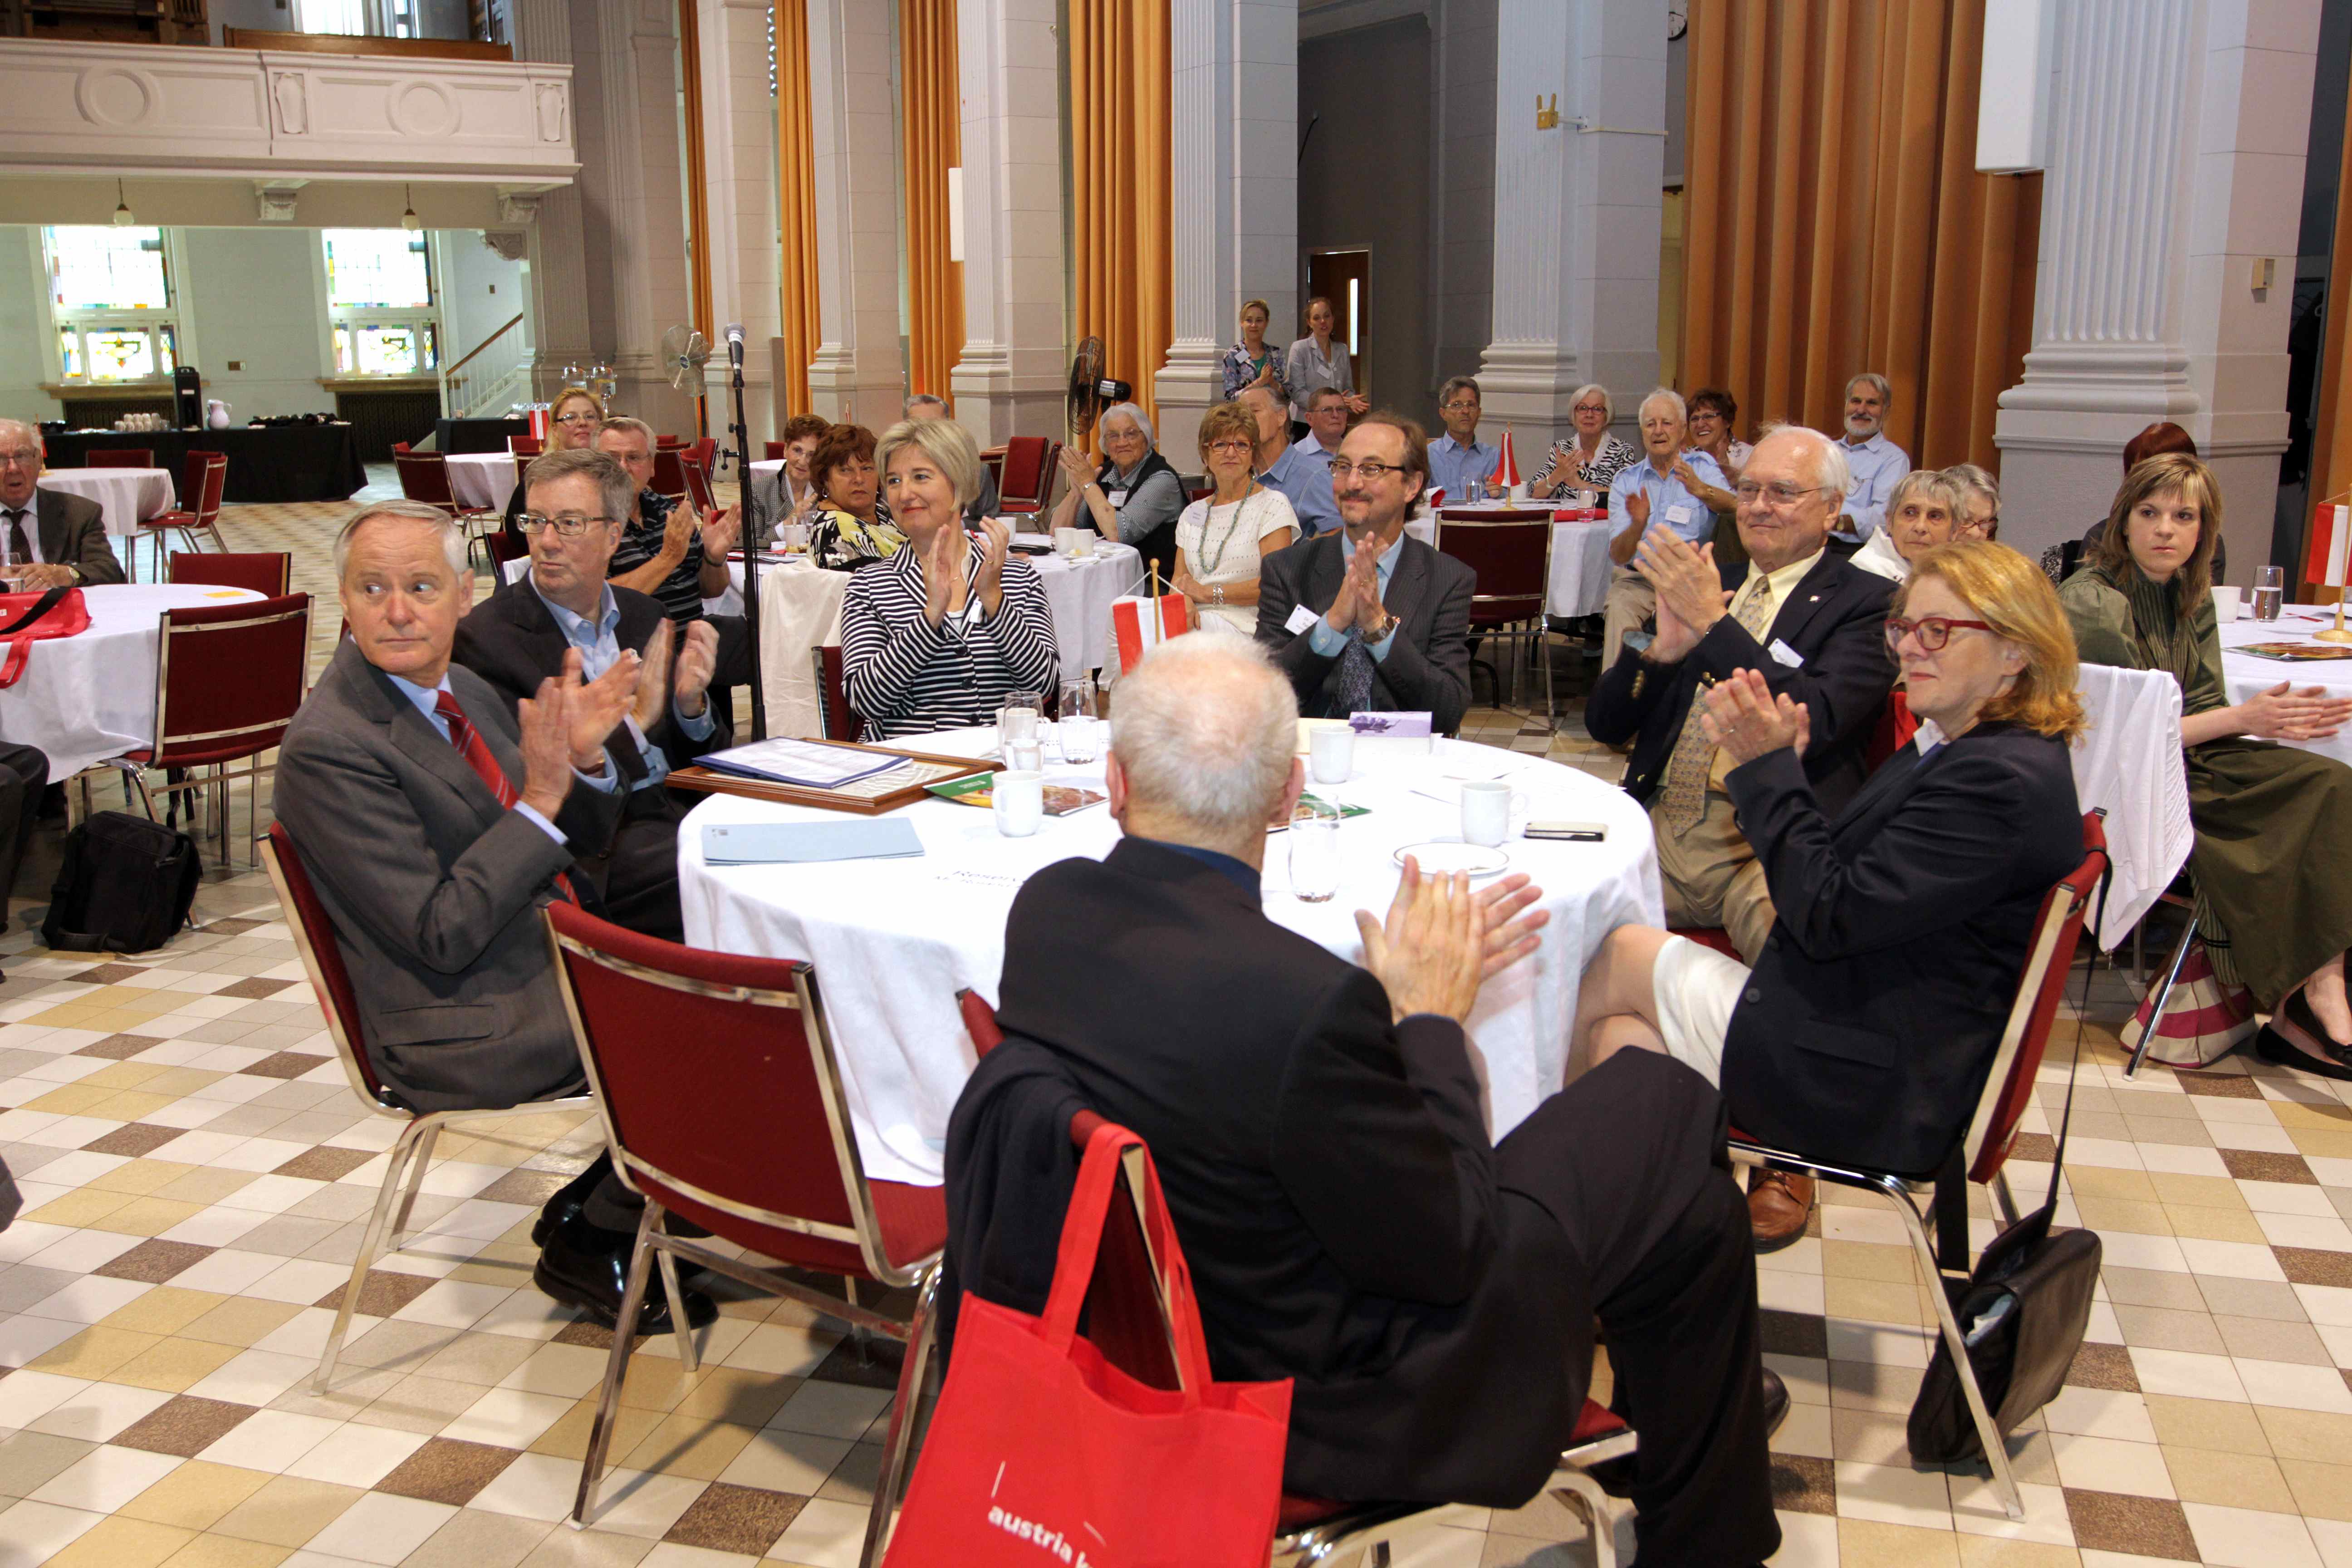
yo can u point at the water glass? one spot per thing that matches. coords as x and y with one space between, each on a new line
2269 591
1474 491
1315 852
1016 718
1079 730
1024 756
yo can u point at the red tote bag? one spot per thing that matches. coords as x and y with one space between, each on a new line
1043 1452
26 618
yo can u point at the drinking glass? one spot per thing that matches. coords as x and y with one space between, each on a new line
1315 852
2270 589
1474 491
1079 729
1016 718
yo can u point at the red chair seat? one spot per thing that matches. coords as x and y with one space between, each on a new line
1715 936
1594 1422
1298 1512
914 1221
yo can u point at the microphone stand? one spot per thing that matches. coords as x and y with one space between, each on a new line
753 546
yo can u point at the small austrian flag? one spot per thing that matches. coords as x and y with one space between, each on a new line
1143 624
2331 535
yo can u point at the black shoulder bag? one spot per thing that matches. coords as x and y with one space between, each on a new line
2024 1315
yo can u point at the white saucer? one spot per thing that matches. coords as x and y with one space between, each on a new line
1448 855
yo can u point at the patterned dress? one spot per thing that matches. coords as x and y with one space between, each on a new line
1596 475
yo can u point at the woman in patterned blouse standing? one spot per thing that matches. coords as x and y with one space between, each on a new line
1590 459
1250 362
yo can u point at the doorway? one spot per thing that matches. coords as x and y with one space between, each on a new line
1345 278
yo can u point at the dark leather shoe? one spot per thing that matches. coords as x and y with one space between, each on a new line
1779 1203
1775 1402
573 1271
561 1210
2296 1038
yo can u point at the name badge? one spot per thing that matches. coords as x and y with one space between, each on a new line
1301 617
1679 513
1784 654
1117 497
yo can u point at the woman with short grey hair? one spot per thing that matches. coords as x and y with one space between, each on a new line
1589 459
1134 498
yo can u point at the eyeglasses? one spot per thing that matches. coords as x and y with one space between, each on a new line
20 459
1233 446
1461 405
575 418
1933 631
1589 408
1778 494
566 527
1372 473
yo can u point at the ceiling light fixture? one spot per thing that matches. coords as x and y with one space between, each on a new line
122 218
408 219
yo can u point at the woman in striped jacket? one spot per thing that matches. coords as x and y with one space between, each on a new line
941 632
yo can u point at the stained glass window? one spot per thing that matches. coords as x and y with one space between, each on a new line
69 349
119 354
93 269
382 267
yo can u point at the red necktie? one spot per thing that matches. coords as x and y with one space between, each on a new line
476 752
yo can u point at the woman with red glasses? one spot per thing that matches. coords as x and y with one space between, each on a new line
1865 1030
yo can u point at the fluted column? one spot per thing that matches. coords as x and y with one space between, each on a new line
1016 351
858 375
554 220
1233 113
650 291
2176 162
1577 211
738 138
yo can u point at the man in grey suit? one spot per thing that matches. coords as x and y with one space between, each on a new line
439 820
1364 619
48 538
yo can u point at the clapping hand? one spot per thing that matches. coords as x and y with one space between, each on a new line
1441 940
596 707
1746 720
546 742
693 665
720 530
989 584
2282 713
652 683
1359 598
1637 507
944 585
1077 468
678 530
1689 587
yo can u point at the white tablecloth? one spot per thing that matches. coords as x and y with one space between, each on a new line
127 497
893 940
482 479
87 698
2128 762
2245 674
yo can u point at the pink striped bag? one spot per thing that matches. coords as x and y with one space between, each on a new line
2203 1020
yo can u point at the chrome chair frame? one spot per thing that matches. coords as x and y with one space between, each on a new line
410 1153
1535 631
653 1243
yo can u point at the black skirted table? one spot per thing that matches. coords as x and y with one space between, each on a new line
265 462
476 435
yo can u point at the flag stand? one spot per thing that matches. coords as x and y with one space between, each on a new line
2335 633
2331 539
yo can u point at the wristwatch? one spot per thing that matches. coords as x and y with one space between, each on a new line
1374 634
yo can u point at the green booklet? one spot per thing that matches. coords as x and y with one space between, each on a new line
1308 802
974 789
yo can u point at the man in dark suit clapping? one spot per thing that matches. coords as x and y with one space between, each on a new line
1346 1218
1361 619
521 633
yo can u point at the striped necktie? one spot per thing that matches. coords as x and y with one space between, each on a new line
476 752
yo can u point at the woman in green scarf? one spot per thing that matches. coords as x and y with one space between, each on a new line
2274 824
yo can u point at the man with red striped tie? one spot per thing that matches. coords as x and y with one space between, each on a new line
437 820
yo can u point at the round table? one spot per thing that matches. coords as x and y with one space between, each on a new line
125 496
86 697
2244 674
893 940
482 479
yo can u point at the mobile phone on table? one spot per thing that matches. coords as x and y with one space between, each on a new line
1570 831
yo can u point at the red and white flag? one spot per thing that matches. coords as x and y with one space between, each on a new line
2331 540
1141 624
1507 464
539 424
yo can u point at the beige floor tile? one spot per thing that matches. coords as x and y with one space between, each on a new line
2216 1224
1990 1552
2320 1490
1865 1261
2105 1213
166 1310
2235 1480
141 1177
2207 1423
121 1542
227 1551
288 1512
568 1438
94 1353
196 1494
84 1207
239 1320
689 1446
2306 1434
174 1364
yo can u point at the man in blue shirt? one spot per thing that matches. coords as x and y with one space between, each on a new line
1671 488
1874 461
1326 424
1303 481
1458 456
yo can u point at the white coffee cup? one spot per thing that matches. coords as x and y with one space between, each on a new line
1486 806
1331 753
1065 542
1018 799
2225 603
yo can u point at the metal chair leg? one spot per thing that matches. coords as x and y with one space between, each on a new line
371 1247
688 1358
2004 1482
862 1338
431 1135
608 1399
902 1418
2156 1014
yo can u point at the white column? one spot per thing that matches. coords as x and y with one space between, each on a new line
1016 350
1577 212
559 245
651 292
739 160
1233 119
859 375
2175 164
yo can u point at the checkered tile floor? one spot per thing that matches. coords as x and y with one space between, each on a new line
195 1174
